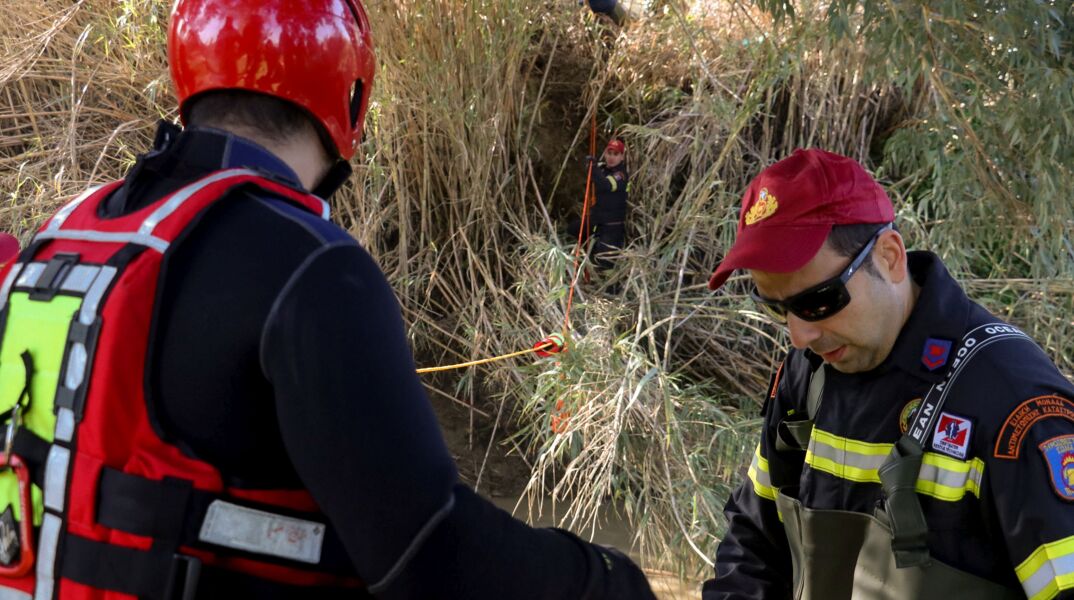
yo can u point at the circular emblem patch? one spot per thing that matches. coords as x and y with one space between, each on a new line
906 413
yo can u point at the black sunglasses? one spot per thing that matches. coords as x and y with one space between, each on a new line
822 300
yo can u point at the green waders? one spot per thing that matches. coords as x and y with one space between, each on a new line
839 554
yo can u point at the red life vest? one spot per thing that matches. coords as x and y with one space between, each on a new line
123 513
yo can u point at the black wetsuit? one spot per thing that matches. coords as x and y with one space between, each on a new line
279 355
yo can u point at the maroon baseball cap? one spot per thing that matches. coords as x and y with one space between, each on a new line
789 209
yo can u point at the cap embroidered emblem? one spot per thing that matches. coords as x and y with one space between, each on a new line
765 207
1059 454
935 353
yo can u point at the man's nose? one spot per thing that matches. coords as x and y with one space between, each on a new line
803 333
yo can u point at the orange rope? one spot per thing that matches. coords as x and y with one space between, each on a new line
583 235
583 228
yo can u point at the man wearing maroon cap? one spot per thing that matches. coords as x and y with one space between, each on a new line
914 446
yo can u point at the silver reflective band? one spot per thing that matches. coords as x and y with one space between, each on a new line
841 459
1053 570
92 301
241 528
56 477
79 278
69 208
76 366
65 425
30 274
12 594
178 198
46 557
8 282
99 236
952 479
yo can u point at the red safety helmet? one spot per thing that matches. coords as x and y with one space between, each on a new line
317 54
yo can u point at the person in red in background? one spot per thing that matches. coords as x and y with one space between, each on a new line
206 385
914 446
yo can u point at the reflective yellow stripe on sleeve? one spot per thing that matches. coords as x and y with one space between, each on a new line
1048 570
614 183
941 477
949 479
758 473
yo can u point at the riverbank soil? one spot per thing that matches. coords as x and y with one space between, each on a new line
501 475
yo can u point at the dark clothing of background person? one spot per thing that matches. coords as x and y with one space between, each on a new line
607 216
986 528
279 355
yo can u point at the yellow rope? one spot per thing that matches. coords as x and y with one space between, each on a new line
486 360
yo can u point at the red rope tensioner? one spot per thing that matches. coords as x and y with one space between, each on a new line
553 344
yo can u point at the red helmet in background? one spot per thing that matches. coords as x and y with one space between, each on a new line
317 54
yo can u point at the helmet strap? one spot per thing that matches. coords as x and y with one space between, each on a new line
337 175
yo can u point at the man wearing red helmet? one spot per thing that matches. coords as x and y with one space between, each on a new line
913 444
194 409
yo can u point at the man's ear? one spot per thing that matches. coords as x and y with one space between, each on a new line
889 256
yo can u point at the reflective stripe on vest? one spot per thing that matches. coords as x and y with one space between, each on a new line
144 234
941 477
1048 570
55 309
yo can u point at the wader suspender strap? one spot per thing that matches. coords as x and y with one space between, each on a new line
898 475
800 431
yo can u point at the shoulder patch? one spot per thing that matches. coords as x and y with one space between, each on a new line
952 435
934 355
1058 454
1014 429
618 175
906 413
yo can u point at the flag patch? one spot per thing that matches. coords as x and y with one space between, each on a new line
952 435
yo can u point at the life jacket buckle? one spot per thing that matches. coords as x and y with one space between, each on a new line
183 578
9 460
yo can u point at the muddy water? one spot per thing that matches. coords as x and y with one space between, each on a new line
614 532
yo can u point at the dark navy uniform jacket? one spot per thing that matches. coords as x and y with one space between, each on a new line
280 356
997 482
612 186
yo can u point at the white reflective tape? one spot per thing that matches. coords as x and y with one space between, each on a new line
30 274
8 282
184 194
65 425
92 301
109 238
57 221
76 366
46 557
252 530
326 209
79 278
13 594
56 477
